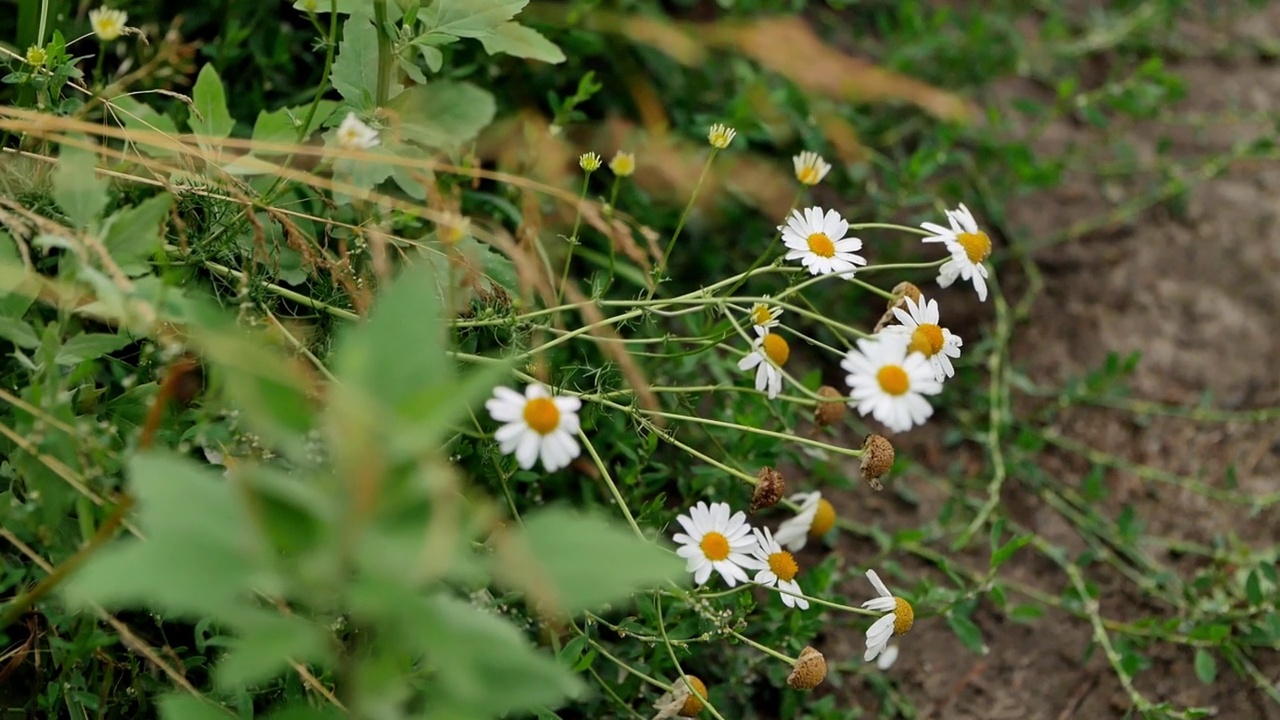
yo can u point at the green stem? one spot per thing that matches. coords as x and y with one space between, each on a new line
573 238
384 52
44 22
684 217
766 650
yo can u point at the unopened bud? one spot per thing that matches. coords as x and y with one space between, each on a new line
877 459
830 410
769 490
809 671
900 291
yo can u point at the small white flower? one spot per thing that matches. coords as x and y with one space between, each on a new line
720 136
353 134
780 569
714 540
536 425
898 619
968 246
818 241
108 24
764 315
926 336
810 167
888 657
589 162
888 383
814 519
769 352
623 164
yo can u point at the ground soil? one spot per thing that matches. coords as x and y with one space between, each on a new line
1196 290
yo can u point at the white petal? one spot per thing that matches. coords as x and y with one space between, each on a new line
878 584
702 574
527 450
750 360
887 657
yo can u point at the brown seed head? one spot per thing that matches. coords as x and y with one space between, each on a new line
769 490
693 704
831 409
877 458
809 671
900 291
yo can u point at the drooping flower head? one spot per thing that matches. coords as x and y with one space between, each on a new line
889 383
898 619
780 569
969 247
815 518
927 337
769 352
536 425
715 540
818 241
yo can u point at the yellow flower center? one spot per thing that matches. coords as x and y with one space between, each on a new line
820 244
903 616
783 564
893 379
715 546
976 245
823 519
776 348
693 704
926 339
760 315
808 175
542 415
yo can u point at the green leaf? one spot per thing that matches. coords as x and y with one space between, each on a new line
77 189
443 114
90 346
969 633
264 645
1002 555
146 123
281 127
213 119
580 561
1253 587
182 706
133 234
515 39
1206 667
18 332
355 70
470 18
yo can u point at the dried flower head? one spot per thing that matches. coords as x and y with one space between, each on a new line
769 490
877 459
831 409
809 671
900 293
589 162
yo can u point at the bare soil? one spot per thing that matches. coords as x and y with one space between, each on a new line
1197 293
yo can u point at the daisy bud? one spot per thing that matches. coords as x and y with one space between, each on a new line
720 136
693 704
877 458
623 164
589 162
809 671
36 56
832 409
769 490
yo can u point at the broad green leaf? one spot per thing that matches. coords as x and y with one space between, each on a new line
133 234
581 561
515 39
470 18
443 114
77 189
149 129
90 346
213 119
264 645
18 332
281 127
182 706
355 70
1206 667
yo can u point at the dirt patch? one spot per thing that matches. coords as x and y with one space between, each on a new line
1195 290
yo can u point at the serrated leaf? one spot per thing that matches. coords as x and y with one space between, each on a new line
1206 667
18 332
77 189
264 644
210 101
355 70
89 346
443 114
575 561
133 234
515 39
470 18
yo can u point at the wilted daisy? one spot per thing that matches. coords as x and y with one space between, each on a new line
764 315
818 241
714 540
720 136
968 246
810 167
897 621
536 425
108 24
927 337
623 164
589 162
768 354
780 569
816 517
889 383
353 134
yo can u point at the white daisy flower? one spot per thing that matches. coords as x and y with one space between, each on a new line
818 241
764 315
920 325
888 657
714 540
108 24
816 517
353 134
780 569
810 167
968 246
720 136
768 354
889 383
536 425
898 618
